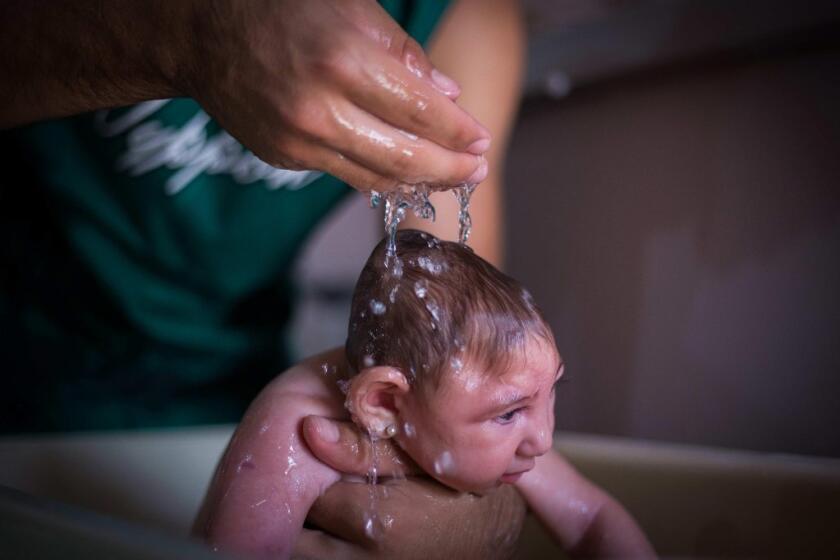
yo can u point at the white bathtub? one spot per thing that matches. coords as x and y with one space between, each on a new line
693 502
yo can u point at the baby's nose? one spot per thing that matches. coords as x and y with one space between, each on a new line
540 439
544 441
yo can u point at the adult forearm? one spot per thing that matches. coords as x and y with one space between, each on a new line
425 520
63 57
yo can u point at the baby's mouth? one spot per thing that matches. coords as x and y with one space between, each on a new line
513 476
510 478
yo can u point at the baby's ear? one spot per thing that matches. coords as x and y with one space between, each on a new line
371 399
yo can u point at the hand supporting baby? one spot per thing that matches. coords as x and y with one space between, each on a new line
430 520
458 370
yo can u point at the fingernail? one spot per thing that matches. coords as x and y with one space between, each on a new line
444 83
326 429
479 146
479 174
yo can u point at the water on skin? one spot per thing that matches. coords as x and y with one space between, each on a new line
372 522
397 203
444 463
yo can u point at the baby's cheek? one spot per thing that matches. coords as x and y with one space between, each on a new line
483 468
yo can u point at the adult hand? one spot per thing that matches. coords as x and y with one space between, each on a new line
419 518
333 86
342 446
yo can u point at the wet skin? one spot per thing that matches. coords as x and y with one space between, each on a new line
333 86
269 479
478 430
338 87
429 521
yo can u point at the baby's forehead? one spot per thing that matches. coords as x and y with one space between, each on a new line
535 359
533 352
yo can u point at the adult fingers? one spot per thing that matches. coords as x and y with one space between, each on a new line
387 89
308 154
390 152
357 176
343 447
374 22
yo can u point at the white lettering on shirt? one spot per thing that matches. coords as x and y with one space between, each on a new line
189 151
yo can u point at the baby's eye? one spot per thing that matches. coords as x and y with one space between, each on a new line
508 417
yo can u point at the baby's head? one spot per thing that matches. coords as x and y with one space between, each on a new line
452 358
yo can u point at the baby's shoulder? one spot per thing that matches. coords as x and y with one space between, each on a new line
302 390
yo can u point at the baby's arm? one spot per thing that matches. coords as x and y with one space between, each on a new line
581 516
267 480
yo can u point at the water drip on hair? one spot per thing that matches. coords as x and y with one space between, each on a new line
377 307
397 202
421 288
463 194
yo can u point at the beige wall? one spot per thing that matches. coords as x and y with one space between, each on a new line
682 233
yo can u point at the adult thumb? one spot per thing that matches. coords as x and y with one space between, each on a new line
342 446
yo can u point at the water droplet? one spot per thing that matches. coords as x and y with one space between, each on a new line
472 383
444 464
377 307
290 462
420 289
429 265
433 310
369 528
343 385
247 462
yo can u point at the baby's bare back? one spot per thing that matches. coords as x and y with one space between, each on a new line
268 479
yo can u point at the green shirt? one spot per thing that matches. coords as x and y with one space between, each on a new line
146 260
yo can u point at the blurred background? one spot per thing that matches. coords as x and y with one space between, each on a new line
673 203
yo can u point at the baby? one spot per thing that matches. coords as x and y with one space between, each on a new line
452 360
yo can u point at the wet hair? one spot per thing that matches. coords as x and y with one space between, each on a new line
437 306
